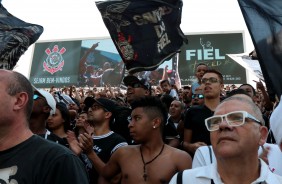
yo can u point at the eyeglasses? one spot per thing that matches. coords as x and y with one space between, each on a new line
211 80
236 118
199 96
35 97
97 107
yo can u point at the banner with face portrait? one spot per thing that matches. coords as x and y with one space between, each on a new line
81 63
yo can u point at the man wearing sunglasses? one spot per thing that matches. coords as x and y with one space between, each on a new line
237 131
195 132
137 88
197 98
44 105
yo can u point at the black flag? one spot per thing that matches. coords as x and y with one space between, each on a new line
145 33
15 38
264 22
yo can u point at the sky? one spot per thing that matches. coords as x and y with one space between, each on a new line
80 19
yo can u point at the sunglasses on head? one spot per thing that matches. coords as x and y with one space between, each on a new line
199 96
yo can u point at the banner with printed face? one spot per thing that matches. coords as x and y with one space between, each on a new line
79 62
211 49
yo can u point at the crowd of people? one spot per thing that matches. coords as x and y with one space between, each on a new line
204 133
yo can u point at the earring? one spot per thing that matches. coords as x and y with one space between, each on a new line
154 126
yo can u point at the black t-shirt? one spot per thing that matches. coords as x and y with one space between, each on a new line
170 131
120 125
38 161
104 146
54 138
195 121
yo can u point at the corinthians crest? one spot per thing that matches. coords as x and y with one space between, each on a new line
54 61
113 14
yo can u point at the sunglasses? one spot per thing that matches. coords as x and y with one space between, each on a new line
199 96
211 80
35 97
136 85
233 119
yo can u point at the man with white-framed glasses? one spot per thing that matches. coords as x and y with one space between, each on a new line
237 131
233 119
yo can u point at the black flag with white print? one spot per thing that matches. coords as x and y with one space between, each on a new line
145 33
15 38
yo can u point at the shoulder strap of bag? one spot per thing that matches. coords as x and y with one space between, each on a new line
210 153
179 178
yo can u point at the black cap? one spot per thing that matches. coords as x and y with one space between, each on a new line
107 104
89 101
130 79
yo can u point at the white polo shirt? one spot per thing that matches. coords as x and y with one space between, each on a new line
203 157
203 175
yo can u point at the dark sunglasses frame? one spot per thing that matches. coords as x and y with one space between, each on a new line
199 96
136 85
36 96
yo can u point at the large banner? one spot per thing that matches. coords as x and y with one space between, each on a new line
264 22
88 63
211 49
15 38
79 62
146 33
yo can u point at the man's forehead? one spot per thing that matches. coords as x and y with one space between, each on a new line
83 114
207 75
176 102
137 110
202 67
232 105
246 87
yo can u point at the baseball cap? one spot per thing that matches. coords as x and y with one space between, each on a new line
107 104
130 79
64 98
49 98
275 123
